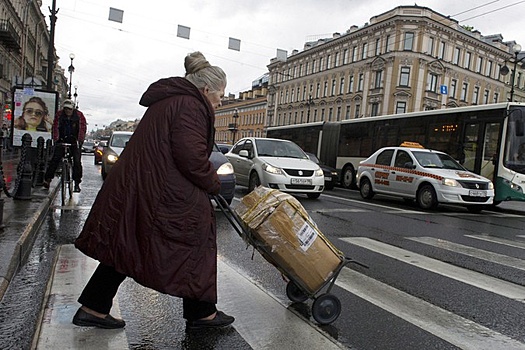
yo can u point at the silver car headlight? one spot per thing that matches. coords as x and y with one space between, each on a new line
319 172
225 169
491 186
450 182
271 169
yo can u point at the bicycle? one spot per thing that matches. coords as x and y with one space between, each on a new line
66 176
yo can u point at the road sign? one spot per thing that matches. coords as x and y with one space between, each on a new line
443 89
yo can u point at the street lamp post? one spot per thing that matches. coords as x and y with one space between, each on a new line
75 96
309 103
505 70
233 126
70 69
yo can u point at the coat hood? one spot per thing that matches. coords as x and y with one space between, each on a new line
168 87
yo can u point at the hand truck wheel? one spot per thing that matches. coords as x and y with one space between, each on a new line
294 293
326 308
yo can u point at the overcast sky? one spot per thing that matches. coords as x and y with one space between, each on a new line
116 62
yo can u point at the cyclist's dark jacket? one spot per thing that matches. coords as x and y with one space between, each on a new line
152 219
64 127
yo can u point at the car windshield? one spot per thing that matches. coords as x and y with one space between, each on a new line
120 140
437 161
278 148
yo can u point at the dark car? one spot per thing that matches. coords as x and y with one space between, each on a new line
330 174
88 147
99 151
225 171
224 147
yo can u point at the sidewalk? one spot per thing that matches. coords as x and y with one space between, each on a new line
21 221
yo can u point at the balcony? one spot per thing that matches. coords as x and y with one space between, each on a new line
8 35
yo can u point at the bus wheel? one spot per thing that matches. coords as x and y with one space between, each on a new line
426 197
349 177
365 188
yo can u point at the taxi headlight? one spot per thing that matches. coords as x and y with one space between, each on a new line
319 172
225 169
271 169
112 158
450 182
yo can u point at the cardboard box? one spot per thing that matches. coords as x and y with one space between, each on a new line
283 232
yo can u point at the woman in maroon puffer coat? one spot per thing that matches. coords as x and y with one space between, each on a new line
152 219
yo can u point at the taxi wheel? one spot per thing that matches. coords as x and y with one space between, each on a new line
254 181
426 197
365 188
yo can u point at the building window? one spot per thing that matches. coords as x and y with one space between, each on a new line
347 114
404 78
486 97
336 59
475 100
453 88
464 92
375 109
457 53
322 114
389 44
432 80
357 110
401 107
345 56
330 114
360 82
364 53
496 97
441 53
342 85
332 92
468 58
379 78
325 90
479 64
350 83
321 64
314 66
338 116
430 49
488 68
318 90
378 47
409 41
304 93
328 62
354 54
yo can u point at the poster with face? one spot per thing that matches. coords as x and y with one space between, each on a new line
33 113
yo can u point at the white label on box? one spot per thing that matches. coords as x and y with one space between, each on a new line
307 236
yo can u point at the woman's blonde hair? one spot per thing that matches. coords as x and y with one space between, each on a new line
201 73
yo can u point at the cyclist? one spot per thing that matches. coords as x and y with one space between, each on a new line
69 126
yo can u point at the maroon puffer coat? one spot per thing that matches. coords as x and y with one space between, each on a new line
152 219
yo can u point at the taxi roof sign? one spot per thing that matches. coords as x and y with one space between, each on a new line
411 144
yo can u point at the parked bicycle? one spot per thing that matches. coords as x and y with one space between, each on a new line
66 176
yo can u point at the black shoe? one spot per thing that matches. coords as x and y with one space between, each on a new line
82 318
46 183
221 320
76 188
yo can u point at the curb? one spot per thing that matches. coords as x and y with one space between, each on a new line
24 244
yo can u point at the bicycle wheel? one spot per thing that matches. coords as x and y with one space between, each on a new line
69 179
63 183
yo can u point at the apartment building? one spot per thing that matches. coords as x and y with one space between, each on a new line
410 58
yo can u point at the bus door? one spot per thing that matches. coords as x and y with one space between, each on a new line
329 143
480 147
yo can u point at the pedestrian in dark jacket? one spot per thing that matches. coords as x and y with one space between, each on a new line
152 219
69 126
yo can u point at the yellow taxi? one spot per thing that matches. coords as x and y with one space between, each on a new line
428 176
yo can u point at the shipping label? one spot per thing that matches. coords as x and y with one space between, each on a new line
307 236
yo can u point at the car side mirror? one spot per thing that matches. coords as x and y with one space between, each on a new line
244 153
409 165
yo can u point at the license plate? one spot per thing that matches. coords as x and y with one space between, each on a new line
299 181
477 193
327 178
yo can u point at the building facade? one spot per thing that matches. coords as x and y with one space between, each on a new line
24 43
407 59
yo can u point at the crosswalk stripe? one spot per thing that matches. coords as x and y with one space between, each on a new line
471 251
450 327
507 242
476 279
261 320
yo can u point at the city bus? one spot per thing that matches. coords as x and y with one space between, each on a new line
486 139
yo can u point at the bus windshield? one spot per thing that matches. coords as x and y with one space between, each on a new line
514 157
